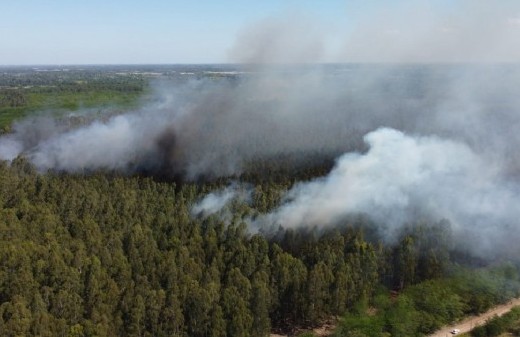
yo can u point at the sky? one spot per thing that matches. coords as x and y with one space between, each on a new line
204 31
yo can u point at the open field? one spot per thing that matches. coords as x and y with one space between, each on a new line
25 91
59 102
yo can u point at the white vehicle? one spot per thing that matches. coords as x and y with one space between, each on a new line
455 331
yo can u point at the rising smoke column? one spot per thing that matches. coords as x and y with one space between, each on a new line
403 179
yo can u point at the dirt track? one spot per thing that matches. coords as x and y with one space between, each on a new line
469 323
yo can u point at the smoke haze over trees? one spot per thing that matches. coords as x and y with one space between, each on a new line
456 154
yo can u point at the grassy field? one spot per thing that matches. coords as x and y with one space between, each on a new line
58 89
26 91
57 102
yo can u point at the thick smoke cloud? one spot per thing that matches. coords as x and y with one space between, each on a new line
403 179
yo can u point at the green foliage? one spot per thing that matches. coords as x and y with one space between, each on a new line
481 289
102 255
425 307
495 326
24 92
437 304
361 324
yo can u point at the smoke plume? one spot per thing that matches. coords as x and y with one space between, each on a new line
216 202
403 179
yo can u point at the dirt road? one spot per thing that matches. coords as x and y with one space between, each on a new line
470 322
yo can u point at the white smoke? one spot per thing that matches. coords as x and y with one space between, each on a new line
403 179
116 142
216 202
10 148
126 142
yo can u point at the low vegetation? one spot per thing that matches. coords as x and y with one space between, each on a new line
423 308
508 324
25 92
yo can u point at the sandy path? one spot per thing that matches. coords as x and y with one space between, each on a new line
472 321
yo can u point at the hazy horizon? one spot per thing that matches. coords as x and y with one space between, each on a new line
262 65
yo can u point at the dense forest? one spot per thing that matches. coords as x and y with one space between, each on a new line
111 253
105 255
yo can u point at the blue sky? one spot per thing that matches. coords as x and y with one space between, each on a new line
161 31
131 31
